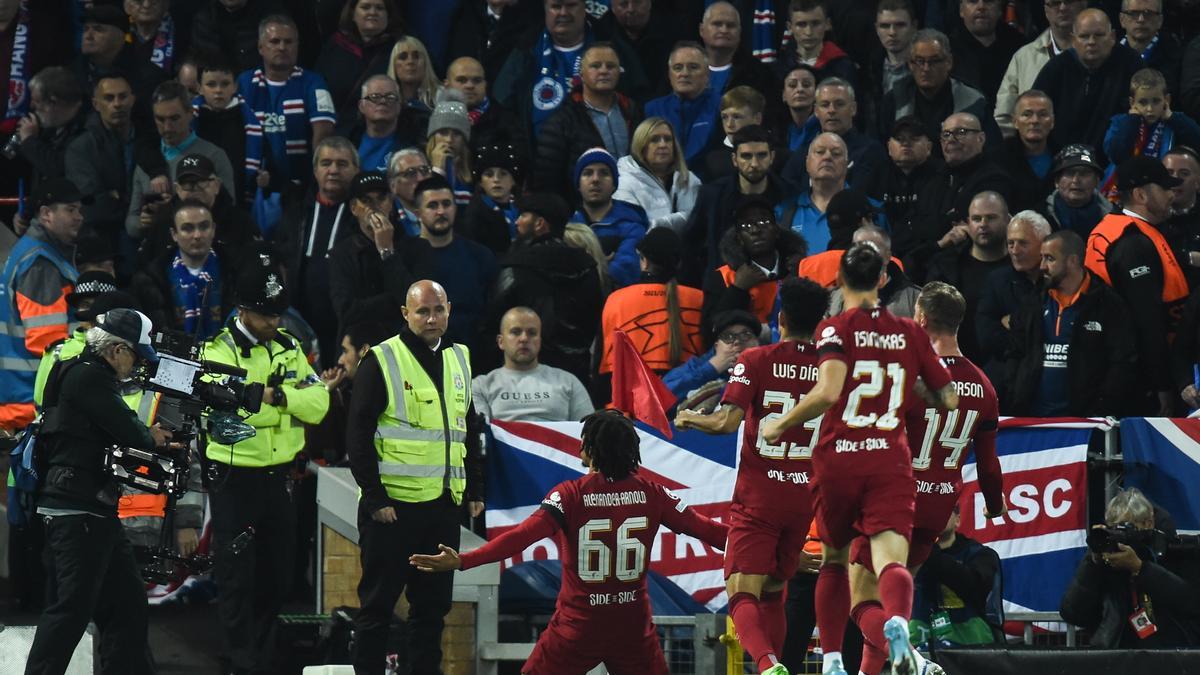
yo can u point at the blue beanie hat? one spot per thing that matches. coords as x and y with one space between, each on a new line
596 156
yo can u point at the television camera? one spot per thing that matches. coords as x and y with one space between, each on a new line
194 398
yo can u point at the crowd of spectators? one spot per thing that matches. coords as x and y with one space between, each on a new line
567 168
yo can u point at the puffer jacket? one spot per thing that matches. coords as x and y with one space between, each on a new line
664 208
619 233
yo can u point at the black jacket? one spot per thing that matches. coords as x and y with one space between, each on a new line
1101 363
944 201
560 283
1189 79
236 230
900 193
46 151
226 129
1085 101
1028 191
719 297
95 163
485 225
711 217
232 34
1003 295
346 63
365 286
567 134
88 417
1185 351
982 66
947 266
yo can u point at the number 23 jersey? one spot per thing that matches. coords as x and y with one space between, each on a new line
767 382
863 433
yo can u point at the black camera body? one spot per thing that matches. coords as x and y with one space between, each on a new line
1154 542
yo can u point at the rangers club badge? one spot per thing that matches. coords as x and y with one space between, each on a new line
547 94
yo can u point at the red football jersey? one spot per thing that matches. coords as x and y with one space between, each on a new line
766 383
863 433
940 440
607 531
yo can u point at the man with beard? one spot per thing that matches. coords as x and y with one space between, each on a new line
466 269
752 157
967 266
1056 366
524 389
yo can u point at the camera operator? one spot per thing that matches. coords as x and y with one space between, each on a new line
96 576
1128 594
250 488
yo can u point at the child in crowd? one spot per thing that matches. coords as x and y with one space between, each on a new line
1150 127
221 119
491 217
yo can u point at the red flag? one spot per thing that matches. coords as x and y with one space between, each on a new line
636 390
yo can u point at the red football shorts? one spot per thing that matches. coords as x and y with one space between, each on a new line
932 513
849 506
765 542
564 651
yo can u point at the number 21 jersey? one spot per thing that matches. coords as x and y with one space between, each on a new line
863 434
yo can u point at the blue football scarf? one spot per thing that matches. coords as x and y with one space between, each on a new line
18 72
291 103
557 76
197 296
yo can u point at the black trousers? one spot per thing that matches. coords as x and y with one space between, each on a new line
252 582
802 618
386 573
96 579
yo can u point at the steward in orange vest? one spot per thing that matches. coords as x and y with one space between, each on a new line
1129 252
758 255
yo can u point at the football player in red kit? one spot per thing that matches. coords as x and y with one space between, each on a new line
771 508
870 361
940 442
606 522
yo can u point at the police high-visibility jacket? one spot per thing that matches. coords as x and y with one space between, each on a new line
421 436
68 349
33 315
280 432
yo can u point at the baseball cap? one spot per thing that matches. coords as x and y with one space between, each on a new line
131 325
1076 155
846 210
194 166
1139 171
661 246
908 125
56 191
89 285
367 182
548 206
736 317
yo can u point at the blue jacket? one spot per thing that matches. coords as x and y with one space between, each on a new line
812 224
693 121
692 374
1121 139
619 232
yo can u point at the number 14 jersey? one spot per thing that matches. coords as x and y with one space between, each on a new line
863 434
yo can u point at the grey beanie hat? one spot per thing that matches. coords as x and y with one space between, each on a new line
450 112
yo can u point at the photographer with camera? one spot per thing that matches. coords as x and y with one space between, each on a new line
1128 590
96 576
249 489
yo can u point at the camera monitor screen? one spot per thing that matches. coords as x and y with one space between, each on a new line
175 374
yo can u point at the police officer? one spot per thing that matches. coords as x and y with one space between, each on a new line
415 458
96 576
249 490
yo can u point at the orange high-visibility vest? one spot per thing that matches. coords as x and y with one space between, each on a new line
641 311
1112 228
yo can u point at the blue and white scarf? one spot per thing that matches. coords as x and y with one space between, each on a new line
163 53
197 296
1148 52
259 100
762 33
509 211
18 73
556 77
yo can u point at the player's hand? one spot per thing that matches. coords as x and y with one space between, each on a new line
1191 396
160 435
748 276
186 541
475 509
1003 509
444 561
771 431
386 515
810 563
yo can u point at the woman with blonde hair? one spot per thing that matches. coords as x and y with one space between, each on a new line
449 130
654 175
409 65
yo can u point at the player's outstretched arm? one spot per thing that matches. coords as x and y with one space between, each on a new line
723 421
688 522
991 480
831 379
534 528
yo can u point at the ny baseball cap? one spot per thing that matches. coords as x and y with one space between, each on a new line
131 325
194 166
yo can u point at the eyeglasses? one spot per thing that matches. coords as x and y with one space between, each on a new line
1141 14
730 337
754 225
194 185
921 64
382 99
959 134
412 172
